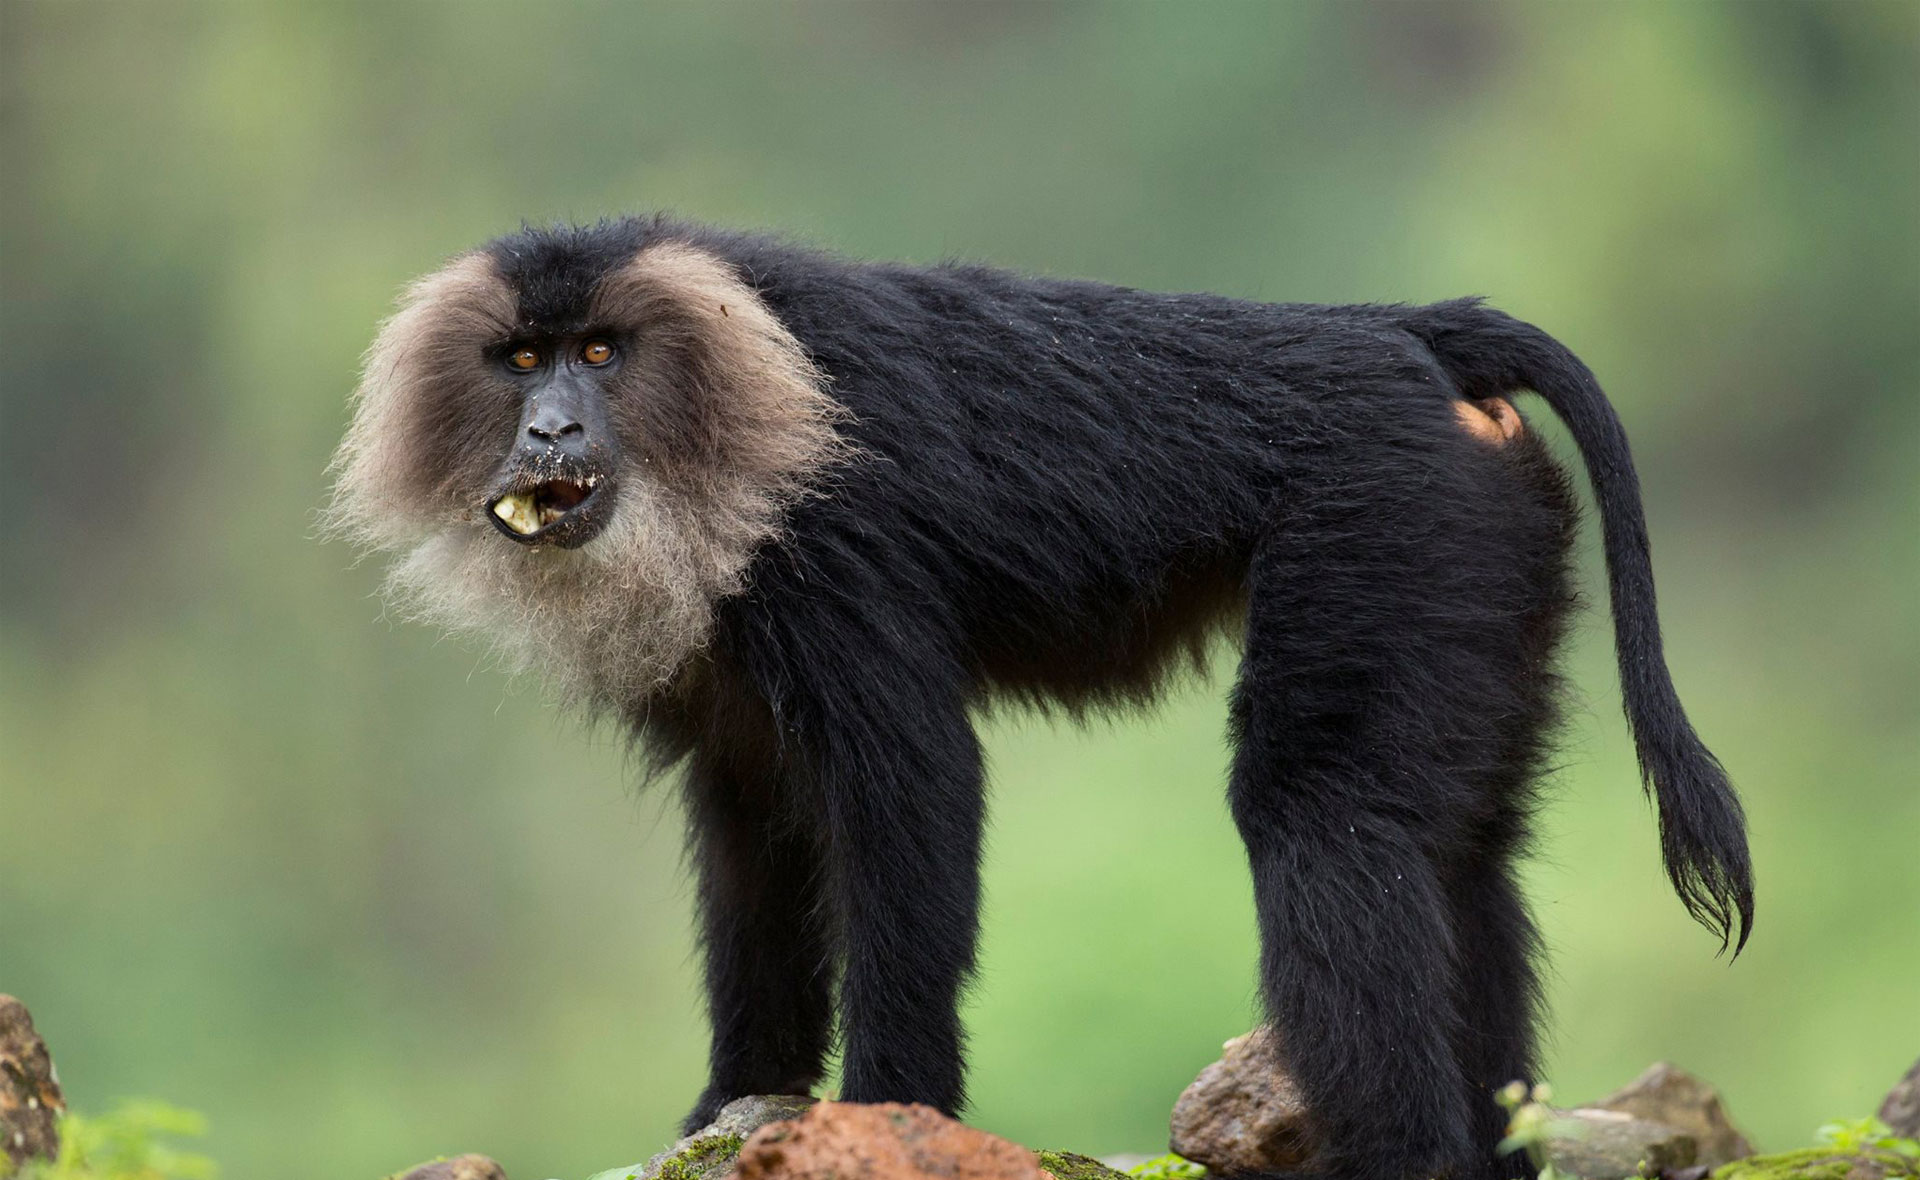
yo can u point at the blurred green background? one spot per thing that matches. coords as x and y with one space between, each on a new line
339 884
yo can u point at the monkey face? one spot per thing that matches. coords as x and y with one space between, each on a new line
574 447
557 485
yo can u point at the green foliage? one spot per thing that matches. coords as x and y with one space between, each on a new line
1531 1125
1856 1135
128 1144
1168 1167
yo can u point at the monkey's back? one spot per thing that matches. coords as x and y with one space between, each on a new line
1063 482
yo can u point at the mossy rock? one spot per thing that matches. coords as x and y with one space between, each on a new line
708 1153
1822 1163
704 1157
1065 1165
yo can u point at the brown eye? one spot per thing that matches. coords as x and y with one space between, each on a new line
524 359
597 352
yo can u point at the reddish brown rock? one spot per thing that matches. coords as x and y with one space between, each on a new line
460 1167
886 1141
1901 1110
29 1093
1666 1094
1245 1113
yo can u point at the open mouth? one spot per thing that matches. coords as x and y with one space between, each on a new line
545 508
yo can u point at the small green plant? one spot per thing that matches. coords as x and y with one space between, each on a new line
1168 1167
1856 1135
128 1144
1532 1124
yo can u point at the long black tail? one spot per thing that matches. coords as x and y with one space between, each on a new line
1702 828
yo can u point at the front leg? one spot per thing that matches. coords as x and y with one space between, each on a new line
769 964
900 778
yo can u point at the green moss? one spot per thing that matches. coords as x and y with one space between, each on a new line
1168 1167
707 1156
1067 1166
701 1158
1817 1163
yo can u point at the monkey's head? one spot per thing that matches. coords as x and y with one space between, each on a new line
573 441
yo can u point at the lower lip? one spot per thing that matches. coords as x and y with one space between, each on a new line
570 515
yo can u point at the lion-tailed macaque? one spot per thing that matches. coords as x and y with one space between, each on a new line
794 518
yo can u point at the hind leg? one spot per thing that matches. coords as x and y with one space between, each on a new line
1335 802
1373 757
1496 996
1357 970
1498 989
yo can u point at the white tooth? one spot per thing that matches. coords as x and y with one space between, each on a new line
517 511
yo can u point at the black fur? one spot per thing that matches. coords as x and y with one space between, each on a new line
1062 489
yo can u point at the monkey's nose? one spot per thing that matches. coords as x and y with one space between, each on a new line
551 424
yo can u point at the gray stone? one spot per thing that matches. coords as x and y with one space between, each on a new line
460 1167
744 1116
1245 1113
1612 1145
1901 1110
709 1153
1667 1094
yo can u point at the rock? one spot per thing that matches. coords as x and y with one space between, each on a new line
1065 1165
1823 1163
1161 1167
1666 1120
29 1092
697 1157
885 1141
460 1167
1244 1113
744 1116
1666 1094
708 1153
1901 1110
1613 1145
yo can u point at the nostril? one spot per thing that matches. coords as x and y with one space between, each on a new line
552 431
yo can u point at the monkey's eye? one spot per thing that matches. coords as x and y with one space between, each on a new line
524 359
596 352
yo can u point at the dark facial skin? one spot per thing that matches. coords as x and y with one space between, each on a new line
557 482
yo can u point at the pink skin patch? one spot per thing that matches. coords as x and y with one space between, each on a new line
1492 419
